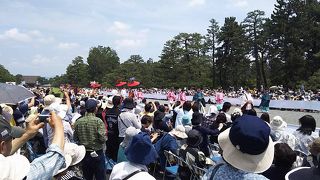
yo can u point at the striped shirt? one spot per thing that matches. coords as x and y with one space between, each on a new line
90 132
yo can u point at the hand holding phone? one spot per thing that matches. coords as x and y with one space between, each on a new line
45 114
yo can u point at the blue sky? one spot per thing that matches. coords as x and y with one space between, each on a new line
41 37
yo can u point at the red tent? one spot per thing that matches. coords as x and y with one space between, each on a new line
121 84
133 83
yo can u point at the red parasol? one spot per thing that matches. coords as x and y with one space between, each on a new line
121 84
95 84
133 83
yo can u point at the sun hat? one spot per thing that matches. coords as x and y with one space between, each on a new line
194 138
49 99
68 160
247 145
130 132
7 131
107 103
179 131
128 103
237 111
76 152
278 123
14 167
141 150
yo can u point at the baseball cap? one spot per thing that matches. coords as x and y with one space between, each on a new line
7 131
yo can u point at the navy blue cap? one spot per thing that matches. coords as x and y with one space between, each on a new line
91 103
250 134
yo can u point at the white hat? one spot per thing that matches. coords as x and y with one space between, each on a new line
49 99
14 167
68 161
107 103
213 109
179 131
77 152
130 132
60 109
278 123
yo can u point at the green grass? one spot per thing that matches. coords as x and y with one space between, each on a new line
57 92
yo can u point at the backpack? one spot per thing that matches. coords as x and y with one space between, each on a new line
112 122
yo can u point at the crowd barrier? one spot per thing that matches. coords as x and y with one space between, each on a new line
278 104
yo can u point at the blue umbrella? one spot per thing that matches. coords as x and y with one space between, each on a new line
12 94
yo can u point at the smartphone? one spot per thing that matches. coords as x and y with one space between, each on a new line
44 115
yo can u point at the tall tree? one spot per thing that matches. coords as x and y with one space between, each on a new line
5 75
101 60
77 72
211 41
233 64
253 25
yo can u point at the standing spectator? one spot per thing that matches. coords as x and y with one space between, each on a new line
17 166
127 118
130 132
90 131
113 131
183 113
304 134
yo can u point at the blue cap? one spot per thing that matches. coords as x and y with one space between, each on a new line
91 103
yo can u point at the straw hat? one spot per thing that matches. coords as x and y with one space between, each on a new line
180 132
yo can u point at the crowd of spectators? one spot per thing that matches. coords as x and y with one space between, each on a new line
88 135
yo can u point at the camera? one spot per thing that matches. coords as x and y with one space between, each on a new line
44 115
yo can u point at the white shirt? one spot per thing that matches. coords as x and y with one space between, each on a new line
14 167
123 169
127 119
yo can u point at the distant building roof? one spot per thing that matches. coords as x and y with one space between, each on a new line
30 79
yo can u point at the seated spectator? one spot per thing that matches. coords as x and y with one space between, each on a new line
146 122
304 134
247 148
197 119
160 121
226 108
284 157
307 172
191 154
265 116
183 113
130 132
169 142
279 132
311 160
221 119
140 153
210 117
236 114
17 166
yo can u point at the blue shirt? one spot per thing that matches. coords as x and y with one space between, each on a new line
228 172
46 166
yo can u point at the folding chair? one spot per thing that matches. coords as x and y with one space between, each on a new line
173 162
197 172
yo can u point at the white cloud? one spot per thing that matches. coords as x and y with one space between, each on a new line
196 2
41 60
240 3
67 45
128 37
14 34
